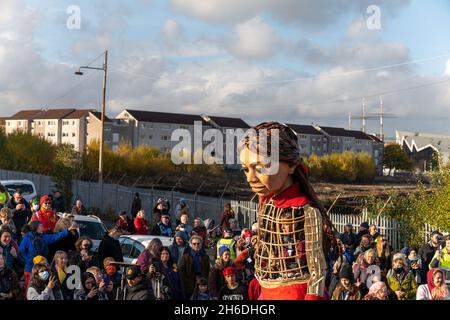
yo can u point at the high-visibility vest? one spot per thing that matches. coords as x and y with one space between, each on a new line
4 197
230 244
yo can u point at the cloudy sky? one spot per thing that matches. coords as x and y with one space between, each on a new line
298 61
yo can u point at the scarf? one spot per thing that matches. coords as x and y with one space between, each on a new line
290 197
197 260
430 281
61 274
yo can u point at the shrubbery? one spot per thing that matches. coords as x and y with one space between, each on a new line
345 167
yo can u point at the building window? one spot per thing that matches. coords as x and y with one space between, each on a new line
150 137
20 123
73 123
142 136
8 124
73 134
142 125
107 128
65 134
115 137
165 138
184 127
165 127
51 134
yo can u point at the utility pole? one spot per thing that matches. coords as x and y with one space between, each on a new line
364 115
350 121
102 135
381 119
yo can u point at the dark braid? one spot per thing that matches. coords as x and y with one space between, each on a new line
289 152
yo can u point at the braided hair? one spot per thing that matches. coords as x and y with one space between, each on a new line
289 152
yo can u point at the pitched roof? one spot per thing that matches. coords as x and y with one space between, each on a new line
98 115
181 118
54 113
375 138
359 135
25 115
340 132
230 122
304 129
78 114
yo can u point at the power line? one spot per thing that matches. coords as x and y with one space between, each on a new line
280 81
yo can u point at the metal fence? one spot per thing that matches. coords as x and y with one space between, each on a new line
116 197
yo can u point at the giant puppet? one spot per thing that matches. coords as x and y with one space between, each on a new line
294 231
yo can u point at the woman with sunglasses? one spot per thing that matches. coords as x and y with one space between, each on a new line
384 253
46 215
194 264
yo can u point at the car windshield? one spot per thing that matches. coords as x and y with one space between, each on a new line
26 188
93 230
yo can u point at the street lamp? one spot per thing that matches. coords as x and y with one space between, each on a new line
104 69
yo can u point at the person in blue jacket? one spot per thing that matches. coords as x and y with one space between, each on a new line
35 243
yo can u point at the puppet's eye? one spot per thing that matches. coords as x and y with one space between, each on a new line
245 169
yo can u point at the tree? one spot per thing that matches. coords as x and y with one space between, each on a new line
396 158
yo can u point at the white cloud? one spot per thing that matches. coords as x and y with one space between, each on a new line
254 39
171 30
447 68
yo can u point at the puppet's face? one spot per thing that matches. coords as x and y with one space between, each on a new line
263 184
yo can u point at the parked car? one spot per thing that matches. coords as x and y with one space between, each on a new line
92 227
27 187
133 245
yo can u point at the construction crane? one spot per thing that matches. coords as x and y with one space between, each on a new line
371 116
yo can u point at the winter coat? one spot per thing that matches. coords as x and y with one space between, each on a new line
162 230
66 244
33 245
136 206
142 291
254 289
46 294
59 204
109 247
140 226
64 291
9 282
5 251
201 232
404 282
20 217
177 252
426 252
349 239
216 279
175 283
187 271
82 211
145 259
81 294
47 218
84 265
353 294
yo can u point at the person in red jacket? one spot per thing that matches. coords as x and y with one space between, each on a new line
46 215
270 157
140 223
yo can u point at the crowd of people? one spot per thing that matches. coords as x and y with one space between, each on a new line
38 247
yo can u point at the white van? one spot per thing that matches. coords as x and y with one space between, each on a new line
27 187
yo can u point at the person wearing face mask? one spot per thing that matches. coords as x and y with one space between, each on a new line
35 208
110 246
84 258
46 215
36 243
400 280
111 275
42 284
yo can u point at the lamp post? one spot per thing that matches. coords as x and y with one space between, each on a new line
104 69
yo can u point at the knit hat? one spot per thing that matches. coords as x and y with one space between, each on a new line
364 225
346 272
398 256
38 259
228 271
247 234
222 250
181 234
44 199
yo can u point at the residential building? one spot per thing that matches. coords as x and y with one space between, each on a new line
21 121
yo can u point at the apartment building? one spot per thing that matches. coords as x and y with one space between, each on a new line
48 124
116 130
321 140
155 128
21 121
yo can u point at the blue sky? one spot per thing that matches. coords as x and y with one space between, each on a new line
232 58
